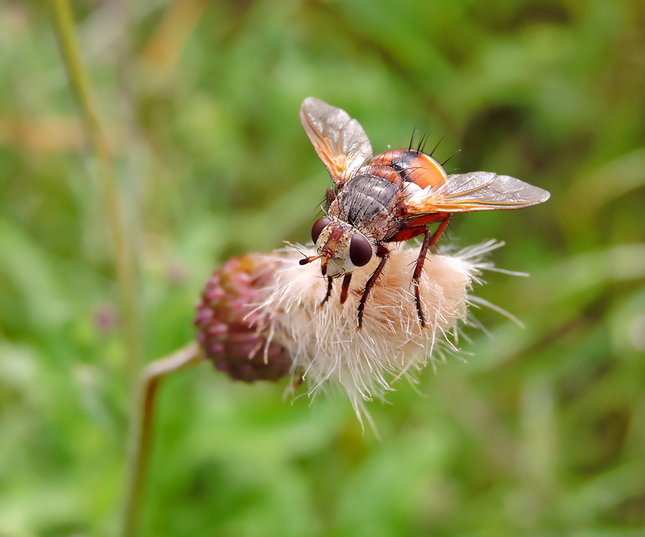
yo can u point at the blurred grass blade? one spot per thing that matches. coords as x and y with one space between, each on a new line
123 257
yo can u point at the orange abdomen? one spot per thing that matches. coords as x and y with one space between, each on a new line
413 166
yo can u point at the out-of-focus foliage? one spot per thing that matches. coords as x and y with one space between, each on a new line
540 433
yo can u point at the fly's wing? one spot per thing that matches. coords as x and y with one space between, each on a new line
339 140
475 191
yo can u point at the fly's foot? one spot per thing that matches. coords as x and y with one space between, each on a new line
417 300
359 317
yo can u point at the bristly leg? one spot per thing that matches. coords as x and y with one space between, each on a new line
384 254
330 196
437 234
429 241
330 281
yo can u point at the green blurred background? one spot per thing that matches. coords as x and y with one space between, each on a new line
541 432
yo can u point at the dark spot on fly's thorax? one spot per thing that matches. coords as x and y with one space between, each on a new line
402 171
406 163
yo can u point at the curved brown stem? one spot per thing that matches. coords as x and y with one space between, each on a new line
140 435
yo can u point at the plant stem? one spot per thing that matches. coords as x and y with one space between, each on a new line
123 258
140 435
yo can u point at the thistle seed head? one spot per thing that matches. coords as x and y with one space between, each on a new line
260 318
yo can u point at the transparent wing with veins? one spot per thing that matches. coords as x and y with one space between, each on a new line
475 191
339 140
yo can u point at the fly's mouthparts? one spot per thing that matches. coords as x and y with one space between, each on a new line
323 266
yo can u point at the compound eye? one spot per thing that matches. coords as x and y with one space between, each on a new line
360 250
317 228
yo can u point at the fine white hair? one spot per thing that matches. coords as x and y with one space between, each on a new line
326 346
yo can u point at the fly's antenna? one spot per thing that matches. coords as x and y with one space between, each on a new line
308 260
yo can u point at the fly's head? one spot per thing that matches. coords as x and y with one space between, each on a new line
340 247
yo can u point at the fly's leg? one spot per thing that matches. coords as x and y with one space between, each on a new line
384 254
435 236
330 197
328 293
345 289
429 241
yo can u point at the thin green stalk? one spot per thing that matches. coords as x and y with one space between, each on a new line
123 258
140 436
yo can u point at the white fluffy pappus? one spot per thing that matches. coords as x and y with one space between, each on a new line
323 341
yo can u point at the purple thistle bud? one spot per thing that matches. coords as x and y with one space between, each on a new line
231 334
